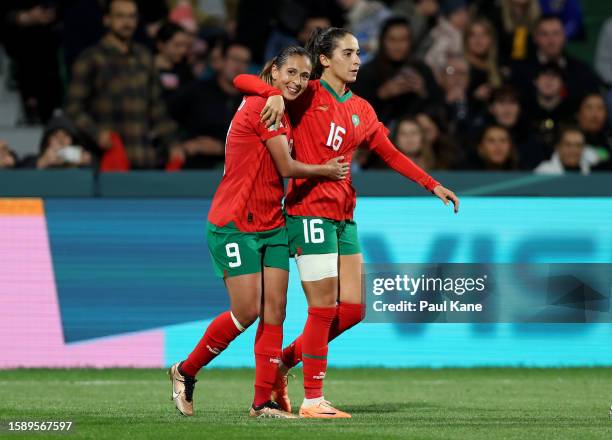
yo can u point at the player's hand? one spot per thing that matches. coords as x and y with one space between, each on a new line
447 195
336 169
273 111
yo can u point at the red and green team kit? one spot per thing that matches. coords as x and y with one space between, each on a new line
247 227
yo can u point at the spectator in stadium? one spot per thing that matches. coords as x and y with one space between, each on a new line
480 44
570 13
172 43
446 152
592 118
204 109
278 40
267 30
364 19
505 110
395 82
603 60
549 37
603 54
447 36
495 151
115 88
310 25
514 21
30 37
204 12
8 158
548 108
410 139
59 147
422 16
571 154
454 79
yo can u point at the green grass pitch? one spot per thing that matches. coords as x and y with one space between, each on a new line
385 403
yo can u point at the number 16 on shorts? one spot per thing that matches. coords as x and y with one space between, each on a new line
313 232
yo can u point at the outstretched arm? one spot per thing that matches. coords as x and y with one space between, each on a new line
334 169
380 143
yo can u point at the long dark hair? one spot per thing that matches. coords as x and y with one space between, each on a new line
511 162
168 30
280 59
385 68
323 42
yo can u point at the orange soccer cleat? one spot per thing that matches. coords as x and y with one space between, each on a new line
322 410
279 392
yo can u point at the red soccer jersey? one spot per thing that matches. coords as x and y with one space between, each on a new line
326 126
251 190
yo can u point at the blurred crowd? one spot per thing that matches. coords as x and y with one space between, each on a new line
462 85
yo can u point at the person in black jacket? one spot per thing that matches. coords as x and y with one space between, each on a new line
204 109
29 29
394 82
549 37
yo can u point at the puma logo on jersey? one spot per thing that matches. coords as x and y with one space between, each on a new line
321 375
323 108
213 350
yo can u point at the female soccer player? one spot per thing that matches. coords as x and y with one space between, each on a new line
328 120
247 237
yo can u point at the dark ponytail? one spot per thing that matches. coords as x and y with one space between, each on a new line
280 59
323 42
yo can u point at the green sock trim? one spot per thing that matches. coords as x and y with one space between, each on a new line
310 356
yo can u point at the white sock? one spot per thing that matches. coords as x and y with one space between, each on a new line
310 402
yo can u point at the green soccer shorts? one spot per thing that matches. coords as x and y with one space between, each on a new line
239 253
318 235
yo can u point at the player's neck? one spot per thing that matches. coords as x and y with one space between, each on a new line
336 84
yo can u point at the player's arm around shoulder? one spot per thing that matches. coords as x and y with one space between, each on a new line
334 169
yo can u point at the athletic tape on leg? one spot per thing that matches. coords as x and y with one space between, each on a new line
237 323
317 267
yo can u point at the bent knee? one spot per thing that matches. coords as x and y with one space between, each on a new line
246 315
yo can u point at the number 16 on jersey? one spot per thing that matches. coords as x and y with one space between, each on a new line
334 139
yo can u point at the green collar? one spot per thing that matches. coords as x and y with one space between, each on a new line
340 99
